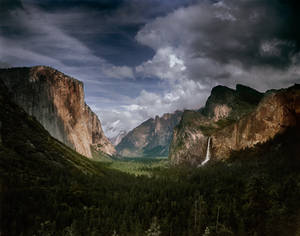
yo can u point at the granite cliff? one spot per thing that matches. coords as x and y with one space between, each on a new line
151 138
57 102
277 111
234 119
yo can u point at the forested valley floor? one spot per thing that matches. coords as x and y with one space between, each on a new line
256 192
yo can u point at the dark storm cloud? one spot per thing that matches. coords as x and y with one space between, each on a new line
107 27
252 32
94 23
98 5
6 5
115 43
230 41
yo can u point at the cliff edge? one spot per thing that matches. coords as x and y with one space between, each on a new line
57 102
234 120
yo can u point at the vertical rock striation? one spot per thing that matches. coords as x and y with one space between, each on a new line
57 102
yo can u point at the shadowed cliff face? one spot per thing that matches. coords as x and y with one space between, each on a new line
57 102
151 138
226 102
234 119
189 141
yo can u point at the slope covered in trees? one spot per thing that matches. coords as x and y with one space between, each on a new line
48 189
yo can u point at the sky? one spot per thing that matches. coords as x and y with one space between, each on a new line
142 58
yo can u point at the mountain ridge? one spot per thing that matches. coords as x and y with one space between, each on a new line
150 138
233 124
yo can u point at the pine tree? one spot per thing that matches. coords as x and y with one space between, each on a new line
154 229
206 232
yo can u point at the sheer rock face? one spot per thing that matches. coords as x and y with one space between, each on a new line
221 112
189 149
151 138
57 102
231 126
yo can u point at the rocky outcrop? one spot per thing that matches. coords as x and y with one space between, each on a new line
220 112
57 102
241 119
151 138
226 102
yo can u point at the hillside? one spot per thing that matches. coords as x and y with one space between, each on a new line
32 164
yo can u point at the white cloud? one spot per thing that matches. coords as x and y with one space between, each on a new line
185 94
167 64
175 61
116 72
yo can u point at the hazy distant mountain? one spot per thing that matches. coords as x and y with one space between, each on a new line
151 138
117 139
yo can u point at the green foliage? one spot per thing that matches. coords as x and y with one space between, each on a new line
245 197
209 129
224 122
100 156
140 166
188 118
154 229
48 189
206 232
156 151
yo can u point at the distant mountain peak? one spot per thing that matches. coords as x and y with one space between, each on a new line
151 138
118 138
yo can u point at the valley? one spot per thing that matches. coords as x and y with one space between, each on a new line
149 118
49 189
140 166
182 200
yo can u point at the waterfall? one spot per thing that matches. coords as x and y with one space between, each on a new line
207 157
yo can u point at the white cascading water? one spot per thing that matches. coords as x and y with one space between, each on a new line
207 157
